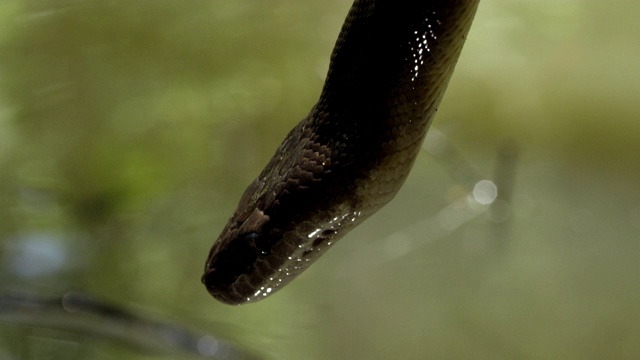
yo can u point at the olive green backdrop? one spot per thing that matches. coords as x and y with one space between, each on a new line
129 129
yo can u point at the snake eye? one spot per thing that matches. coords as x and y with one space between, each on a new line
257 241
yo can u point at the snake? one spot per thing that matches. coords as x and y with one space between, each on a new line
350 155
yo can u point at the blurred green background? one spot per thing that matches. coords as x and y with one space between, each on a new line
129 129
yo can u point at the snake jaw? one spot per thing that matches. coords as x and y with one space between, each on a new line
229 263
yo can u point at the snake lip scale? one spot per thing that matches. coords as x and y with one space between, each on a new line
351 154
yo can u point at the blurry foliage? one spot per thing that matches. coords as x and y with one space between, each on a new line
120 101
128 129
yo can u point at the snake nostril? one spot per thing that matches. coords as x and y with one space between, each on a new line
328 232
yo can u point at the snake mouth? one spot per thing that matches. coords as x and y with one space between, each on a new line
240 291
219 290
231 261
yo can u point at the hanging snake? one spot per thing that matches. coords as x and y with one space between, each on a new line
351 154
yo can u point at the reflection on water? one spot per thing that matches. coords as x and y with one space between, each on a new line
86 316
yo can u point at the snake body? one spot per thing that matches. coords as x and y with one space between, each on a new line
351 154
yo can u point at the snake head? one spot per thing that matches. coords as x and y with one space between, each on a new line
239 247
229 263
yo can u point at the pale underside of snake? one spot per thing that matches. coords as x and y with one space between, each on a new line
351 154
